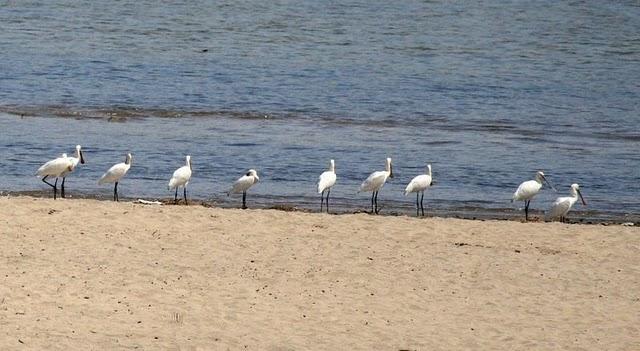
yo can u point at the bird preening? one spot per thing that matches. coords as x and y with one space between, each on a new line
64 165
243 184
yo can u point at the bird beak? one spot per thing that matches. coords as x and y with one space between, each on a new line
548 182
582 198
390 171
81 157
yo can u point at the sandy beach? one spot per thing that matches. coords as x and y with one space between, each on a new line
86 274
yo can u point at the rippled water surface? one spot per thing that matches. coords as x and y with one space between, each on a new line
487 92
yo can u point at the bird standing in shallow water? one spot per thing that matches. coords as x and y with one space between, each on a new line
115 173
418 185
181 178
243 184
527 190
375 182
326 180
562 205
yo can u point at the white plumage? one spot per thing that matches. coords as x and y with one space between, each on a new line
527 190
562 205
115 173
75 160
181 178
418 185
375 182
326 180
243 184
55 168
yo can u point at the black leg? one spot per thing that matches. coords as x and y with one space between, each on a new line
51 185
526 210
45 181
373 194
115 192
185 195
62 187
321 200
328 192
421 204
376 201
417 204
175 198
244 200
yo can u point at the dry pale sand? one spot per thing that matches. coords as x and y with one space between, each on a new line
86 274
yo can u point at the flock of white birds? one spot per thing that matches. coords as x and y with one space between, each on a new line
60 167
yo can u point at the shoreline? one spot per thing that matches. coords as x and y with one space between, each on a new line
285 204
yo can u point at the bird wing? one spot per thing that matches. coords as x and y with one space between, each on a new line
242 184
55 167
559 208
180 177
114 173
527 190
418 183
326 180
374 181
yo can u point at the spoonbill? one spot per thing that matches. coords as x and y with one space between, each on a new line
78 158
115 173
181 178
375 182
243 184
55 168
418 185
527 190
326 180
562 205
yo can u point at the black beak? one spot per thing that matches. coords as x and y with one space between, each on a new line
390 171
582 198
81 157
548 182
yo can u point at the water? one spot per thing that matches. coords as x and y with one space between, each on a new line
487 92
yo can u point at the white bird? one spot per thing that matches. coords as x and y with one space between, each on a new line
562 205
527 190
115 173
375 182
243 184
418 185
181 178
78 158
55 168
326 180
